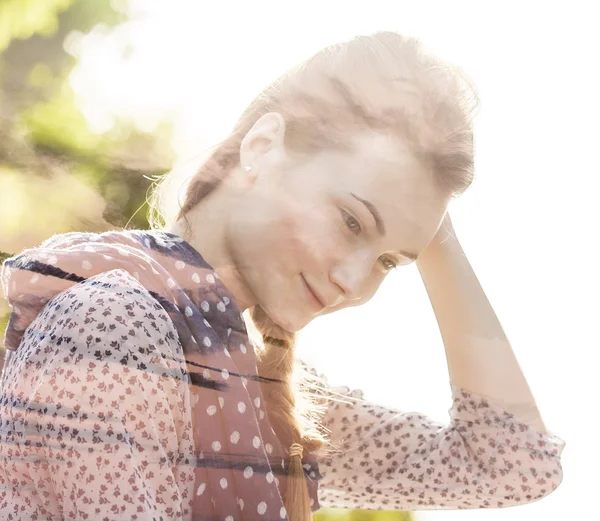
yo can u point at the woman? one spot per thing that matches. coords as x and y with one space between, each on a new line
132 389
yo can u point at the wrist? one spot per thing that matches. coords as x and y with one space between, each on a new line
445 242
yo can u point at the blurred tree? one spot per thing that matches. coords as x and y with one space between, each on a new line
44 135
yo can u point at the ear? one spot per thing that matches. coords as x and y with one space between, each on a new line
266 136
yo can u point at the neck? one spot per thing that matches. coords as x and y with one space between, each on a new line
208 235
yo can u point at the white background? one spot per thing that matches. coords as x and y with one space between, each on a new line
528 224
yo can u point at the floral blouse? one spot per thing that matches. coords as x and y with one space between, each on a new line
83 436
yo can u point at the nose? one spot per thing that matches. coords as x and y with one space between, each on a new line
351 275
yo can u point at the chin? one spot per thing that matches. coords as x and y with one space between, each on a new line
291 322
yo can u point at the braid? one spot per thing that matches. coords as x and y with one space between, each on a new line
276 361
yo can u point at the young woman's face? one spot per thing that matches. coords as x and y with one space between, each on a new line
337 223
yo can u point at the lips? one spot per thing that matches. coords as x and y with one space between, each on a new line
316 297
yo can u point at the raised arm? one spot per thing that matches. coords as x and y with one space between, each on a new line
479 355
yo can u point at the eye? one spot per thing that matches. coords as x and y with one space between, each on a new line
352 224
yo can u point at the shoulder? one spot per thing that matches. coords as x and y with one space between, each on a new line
102 370
115 297
118 282
110 317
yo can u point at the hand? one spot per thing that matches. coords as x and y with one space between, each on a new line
445 237
445 231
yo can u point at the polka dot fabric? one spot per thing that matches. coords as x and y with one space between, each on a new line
131 388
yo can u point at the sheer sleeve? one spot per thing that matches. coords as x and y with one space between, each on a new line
95 417
484 457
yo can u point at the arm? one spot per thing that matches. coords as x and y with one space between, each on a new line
484 457
479 355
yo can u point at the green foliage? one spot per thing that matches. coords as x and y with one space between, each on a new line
44 134
57 124
23 18
342 514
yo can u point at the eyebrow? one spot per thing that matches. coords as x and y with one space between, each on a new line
381 226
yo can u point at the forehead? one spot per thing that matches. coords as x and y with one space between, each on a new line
375 161
384 168
383 160
384 171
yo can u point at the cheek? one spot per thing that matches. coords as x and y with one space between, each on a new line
305 236
291 238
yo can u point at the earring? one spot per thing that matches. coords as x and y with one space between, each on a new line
247 168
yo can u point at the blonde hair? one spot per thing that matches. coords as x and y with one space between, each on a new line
384 82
